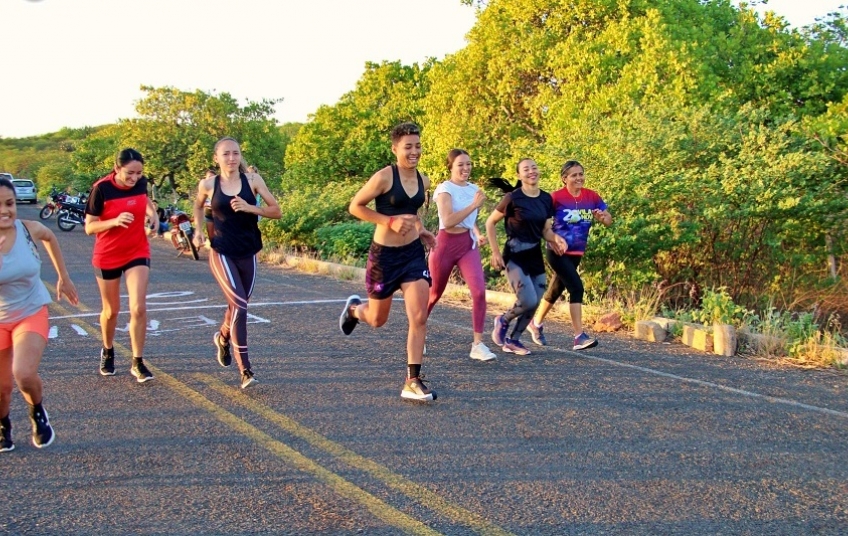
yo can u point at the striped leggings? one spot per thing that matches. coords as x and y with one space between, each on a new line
236 277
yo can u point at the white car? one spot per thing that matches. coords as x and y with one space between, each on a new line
25 190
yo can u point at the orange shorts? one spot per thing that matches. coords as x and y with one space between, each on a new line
37 323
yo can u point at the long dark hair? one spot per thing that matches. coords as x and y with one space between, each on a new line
6 183
128 155
502 184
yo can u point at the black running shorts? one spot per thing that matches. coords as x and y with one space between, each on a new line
389 267
115 273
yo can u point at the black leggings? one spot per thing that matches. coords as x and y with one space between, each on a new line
565 277
236 278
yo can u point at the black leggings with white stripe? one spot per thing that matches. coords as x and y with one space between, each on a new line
236 278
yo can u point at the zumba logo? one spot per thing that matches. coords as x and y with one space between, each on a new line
427 273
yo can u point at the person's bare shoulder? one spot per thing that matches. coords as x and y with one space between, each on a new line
383 178
206 185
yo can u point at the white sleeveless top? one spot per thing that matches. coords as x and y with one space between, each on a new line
461 197
22 293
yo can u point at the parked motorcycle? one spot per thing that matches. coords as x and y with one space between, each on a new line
53 199
56 198
181 229
70 214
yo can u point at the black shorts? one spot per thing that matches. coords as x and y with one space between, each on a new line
389 267
115 273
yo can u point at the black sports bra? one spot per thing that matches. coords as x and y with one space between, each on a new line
396 201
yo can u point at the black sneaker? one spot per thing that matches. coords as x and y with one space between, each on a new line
415 389
107 363
42 432
141 372
247 379
224 357
6 443
347 321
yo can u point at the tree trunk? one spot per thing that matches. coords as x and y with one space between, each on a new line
831 258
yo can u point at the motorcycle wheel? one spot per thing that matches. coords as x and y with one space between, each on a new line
46 212
191 245
64 222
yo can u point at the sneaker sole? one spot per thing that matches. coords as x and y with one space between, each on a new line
586 346
536 341
106 373
516 352
141 379
41 446
221 360
418 398
8 449
251 383
534 337
344 314
482 358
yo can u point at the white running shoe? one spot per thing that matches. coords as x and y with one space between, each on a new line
481 352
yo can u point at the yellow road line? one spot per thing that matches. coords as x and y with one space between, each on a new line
380 509
407 487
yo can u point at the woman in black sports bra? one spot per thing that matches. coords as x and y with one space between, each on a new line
396 260
234 244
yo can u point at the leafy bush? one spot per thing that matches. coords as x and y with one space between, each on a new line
345 242
308 209
717 306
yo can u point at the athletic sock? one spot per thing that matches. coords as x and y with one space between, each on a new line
6 422
413 371
35 409
136 360
109 351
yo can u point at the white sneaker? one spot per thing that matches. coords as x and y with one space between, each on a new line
481 352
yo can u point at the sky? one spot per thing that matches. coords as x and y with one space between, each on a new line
76 63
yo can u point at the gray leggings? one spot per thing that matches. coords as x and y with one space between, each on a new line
528 292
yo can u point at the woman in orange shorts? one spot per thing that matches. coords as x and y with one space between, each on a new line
23 314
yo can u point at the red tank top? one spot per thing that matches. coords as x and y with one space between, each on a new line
119 245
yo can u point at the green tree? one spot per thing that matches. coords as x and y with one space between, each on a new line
351 138
176 132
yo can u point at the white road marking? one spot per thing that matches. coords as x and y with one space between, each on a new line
257 319
704 383
79 330
52 332
218 306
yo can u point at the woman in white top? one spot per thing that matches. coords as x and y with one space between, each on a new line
458 244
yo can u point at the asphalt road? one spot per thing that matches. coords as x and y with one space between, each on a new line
625 438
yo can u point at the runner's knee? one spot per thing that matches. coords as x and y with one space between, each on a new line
108 313
27 378
138 310
418 319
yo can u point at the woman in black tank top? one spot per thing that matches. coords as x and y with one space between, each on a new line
235 241
396 260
